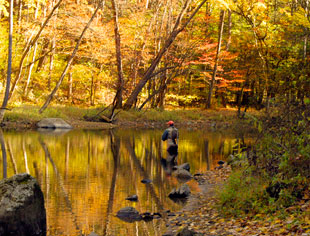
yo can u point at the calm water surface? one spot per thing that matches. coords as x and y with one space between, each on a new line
86 175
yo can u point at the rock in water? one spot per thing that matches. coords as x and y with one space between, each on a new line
184 166
146 181
53 123
22 210
182 175
129 214
182 192
132 198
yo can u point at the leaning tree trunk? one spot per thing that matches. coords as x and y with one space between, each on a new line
9 72
50 97
148 74
30 69
208 105
28 47
118 100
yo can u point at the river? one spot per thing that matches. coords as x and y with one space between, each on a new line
86 175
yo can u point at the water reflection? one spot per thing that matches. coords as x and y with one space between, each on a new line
86 176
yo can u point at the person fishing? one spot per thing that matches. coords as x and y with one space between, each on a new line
171 135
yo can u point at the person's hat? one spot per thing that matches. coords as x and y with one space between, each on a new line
170 122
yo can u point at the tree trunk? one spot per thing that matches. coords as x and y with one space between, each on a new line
120 84
44 51
19 16
30 69
9 71
69 96
50 69
229 31
32 42
221 26
148 74
50 97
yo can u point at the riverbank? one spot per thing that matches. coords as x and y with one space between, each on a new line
202 216
26 117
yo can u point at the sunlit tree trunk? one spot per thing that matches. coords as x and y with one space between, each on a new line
50 97
30 69
9 70
118 100
19 16
170 39
229 25
91 91
69 96
27 49
51 64
212 82
44 51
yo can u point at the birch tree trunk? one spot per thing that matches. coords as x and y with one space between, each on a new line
50 97
212 82
9 71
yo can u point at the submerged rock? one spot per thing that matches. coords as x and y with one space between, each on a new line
129 214
132 198
182 192
182 175
184 166
53 123
146 181
22 210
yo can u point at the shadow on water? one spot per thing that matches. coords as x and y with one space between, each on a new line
86 176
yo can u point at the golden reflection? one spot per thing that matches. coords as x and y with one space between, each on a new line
86 175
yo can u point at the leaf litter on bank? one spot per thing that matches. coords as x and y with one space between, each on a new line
203 217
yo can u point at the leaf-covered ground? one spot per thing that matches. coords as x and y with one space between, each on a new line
202 216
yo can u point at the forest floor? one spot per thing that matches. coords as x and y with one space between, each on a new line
201 215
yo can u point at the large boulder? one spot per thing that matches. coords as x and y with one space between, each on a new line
53 123
22 210
129 214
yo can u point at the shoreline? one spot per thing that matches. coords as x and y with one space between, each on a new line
207 125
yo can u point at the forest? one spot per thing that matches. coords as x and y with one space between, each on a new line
189 56
135 54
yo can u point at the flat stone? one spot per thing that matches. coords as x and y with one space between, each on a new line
53 123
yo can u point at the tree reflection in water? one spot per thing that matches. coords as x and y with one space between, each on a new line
86 176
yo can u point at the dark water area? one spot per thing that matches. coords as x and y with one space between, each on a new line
86 175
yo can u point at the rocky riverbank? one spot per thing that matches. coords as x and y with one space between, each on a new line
201 216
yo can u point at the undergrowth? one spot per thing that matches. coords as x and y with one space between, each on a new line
273 175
